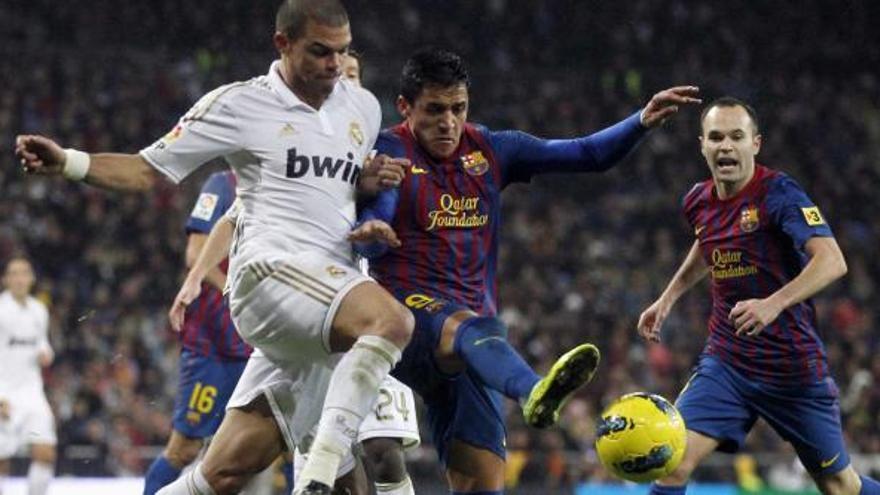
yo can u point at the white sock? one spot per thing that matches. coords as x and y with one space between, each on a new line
404 487
39 476
353 389
191 483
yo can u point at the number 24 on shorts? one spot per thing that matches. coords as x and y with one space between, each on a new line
391 401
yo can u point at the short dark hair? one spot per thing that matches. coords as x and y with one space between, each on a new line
730 101
17 256
293 14
432 67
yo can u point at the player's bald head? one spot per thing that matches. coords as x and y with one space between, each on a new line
293 15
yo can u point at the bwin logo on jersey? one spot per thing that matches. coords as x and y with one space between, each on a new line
322 166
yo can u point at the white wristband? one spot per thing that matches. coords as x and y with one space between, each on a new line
76 164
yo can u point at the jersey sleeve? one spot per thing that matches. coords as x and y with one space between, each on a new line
207 131
794 212
522 155
383 206
214 200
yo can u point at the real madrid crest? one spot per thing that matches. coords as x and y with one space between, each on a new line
335 271
356 134
748 219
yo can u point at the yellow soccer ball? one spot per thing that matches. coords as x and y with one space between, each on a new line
641 437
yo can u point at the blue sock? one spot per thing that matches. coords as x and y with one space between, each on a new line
667 490
161 473
870 486
482 343
287 469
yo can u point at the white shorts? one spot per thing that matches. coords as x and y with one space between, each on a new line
285 309
30 422
393 416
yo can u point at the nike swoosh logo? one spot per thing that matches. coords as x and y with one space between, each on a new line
699 229
486 339
417 170
825 464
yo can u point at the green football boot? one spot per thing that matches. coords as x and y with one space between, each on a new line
574 369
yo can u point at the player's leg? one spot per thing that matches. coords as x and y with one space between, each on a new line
385 463
42 468
389 429
374 328
717 416
351 478
205 385
180 452
473 469
808 416
481 343
247 442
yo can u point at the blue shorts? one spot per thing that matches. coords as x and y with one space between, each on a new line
459 407
721 403
206 383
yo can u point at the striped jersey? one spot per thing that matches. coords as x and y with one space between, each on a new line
753 244
207 327
447 212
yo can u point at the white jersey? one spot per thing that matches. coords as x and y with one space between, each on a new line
24 330
297 167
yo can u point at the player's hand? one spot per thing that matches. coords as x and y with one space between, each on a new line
374 231
39 155
382 172
651 320
751 316
188 292
4 410
668 102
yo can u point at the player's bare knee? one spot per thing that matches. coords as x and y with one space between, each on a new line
45 454
396 325
182 454
227 479
384 459
845 482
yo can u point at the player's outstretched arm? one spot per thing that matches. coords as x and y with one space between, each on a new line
42 156
214 249
826 265
691 271
667 102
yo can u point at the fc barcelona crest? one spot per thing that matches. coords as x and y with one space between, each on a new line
475 163
748 219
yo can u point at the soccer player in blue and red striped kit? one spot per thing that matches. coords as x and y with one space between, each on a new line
212 355
767 249
442 262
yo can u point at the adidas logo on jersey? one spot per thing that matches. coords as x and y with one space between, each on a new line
322 166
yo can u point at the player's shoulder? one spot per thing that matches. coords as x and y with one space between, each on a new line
697 194
777 182
37 305
359 96
390 141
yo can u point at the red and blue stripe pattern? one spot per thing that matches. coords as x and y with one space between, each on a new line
753 244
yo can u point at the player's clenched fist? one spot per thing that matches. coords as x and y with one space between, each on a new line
382 172
667 102
38 154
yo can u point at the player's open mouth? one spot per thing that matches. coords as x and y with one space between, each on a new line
726 163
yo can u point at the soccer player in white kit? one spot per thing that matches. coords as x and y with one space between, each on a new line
25 417
297 138
389 428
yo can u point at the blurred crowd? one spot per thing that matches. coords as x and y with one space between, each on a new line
581 256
